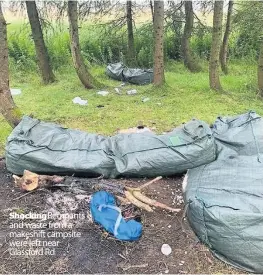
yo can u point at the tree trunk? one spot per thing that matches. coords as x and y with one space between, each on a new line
158 28
131 60
224 47
41 50
189 60
260 70
215 48
7 106
151 7
78 61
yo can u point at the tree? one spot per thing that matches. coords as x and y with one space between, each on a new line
215 47
41 50
158 29
7 106
224 47
131 60
260 70
188 57
85 77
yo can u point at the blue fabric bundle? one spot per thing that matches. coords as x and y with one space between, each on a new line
105 212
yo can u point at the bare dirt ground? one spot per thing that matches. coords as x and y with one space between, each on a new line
96 251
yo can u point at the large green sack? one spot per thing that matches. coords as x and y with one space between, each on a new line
48 148
225 198
135 76
187 146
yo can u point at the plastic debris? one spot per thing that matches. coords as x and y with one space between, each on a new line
145 99
15 91
117 90
166 249
103 93
132 92
78 100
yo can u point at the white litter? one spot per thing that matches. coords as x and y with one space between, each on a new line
132 92
145 99
166 249
15 91
103 93
78 100
117 91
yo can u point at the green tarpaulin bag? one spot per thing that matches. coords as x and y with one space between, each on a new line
225 198
135 76
48 148
187 146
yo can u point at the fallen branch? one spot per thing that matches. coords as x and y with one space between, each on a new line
136 202
138 195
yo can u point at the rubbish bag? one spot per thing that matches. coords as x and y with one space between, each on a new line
225 198
136 76
147 154
105 212
47 148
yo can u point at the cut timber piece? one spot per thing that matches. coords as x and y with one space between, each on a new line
30 181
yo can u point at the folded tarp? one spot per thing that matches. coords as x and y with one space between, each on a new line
43 147
136 76
225 198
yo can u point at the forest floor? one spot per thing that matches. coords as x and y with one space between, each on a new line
185 96
96 252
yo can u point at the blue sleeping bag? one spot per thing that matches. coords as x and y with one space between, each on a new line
105 212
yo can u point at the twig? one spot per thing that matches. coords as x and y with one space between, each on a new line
134 266
149 183
23 195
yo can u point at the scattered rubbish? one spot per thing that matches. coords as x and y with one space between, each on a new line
122 84
166 249
166 271
78 100
103 93
136 76
145 99
117 90
132 92
181 263
105 212
100 106
159 103
15 91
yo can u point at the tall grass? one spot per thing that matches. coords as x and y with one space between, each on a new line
102 44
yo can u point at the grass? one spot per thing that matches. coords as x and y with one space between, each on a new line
185 96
